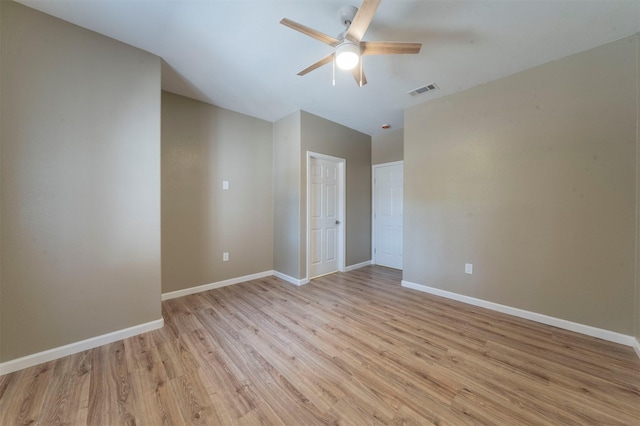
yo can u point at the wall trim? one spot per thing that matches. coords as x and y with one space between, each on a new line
291 280
588 330
636 346
218 284
358 266
73 348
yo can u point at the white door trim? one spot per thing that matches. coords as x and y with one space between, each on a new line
373 205
342 165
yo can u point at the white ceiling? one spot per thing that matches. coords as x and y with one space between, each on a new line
236 55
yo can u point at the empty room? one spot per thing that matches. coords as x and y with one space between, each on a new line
378 212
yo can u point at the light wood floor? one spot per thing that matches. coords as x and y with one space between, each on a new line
352 348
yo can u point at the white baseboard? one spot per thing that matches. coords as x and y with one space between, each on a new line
357 266
600 333
304 281
291 280
636 346
73 348
205 287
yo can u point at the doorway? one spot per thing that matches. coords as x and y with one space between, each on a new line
388 187
325 214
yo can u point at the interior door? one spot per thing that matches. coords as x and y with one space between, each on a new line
323 217
388 186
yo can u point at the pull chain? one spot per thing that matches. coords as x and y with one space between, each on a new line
334 69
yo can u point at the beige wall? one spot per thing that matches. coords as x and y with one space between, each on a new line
326 137
286 188
294 135
202 145
637 307
387 147
79 185
1 138
532 179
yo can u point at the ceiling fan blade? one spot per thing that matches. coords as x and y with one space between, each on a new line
389 48
310 32
362 20
317 64
356 74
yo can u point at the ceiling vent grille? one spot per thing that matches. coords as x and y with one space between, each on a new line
424 89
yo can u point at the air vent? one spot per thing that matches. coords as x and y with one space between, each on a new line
424 89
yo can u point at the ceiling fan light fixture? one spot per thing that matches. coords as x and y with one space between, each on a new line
347 55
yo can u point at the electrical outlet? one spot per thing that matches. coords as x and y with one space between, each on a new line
225 256
468 268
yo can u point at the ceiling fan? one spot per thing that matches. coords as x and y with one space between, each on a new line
348 46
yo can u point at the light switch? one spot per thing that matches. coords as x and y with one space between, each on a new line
468 268
225 184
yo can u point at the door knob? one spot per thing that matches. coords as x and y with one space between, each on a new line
337 222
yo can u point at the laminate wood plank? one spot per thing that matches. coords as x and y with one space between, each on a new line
407 417
321 390
485 410
259 374
231 391
119 373
385 371
490 378
30 407
57 404
11 387
323 359
79 397
102 392
193 401
179 317
321 393
281 395
140 351
17 394
348 348
219 309
354 414
159 405
261 415
169 354
327 359
4 383
569 380
416 395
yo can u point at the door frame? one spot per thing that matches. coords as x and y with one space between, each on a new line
342 165
373 204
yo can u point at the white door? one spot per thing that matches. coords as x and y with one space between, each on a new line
388 182
324 217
